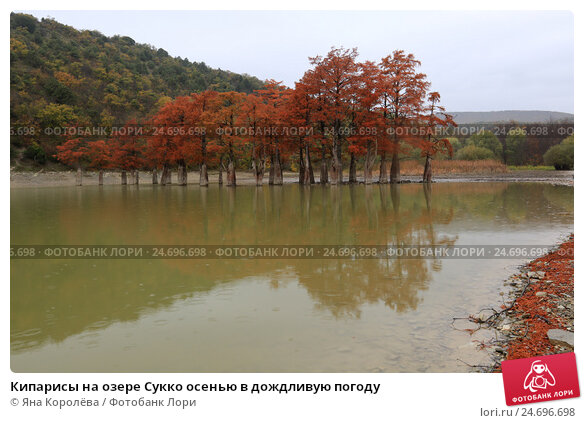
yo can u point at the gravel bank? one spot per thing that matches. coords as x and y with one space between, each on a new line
537 317
44 178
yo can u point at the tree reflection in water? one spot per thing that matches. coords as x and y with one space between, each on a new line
55 299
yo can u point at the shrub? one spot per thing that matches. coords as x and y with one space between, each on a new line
561 156
472 152
488 140
36 153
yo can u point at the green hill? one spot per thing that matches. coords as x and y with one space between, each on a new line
59 75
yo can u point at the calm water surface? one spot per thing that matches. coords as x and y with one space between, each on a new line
270 315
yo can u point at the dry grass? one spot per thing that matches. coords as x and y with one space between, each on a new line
449 167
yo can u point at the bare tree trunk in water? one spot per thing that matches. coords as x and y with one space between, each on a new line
154 176
369 161
259 166
301 166
383 169
136 177
278 178
307 167
336 176
353 170
220 181
394 175
259 174
271 173
132 176
100 177
367 170
203 176
182 173
231 181
79 177
310 169
164 177
124 178
323 168
427 170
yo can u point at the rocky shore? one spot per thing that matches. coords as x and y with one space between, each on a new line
538 316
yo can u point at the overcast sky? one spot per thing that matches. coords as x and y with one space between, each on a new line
478 61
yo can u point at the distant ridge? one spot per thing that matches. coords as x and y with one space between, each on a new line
520 116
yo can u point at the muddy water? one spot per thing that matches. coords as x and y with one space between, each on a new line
265 315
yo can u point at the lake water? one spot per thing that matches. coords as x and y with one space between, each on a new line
271 314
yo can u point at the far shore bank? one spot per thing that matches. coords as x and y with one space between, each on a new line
42 178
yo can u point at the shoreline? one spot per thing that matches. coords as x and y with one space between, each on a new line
537 318
42 178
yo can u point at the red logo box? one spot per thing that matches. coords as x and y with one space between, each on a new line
543 378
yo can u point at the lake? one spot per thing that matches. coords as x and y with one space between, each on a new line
321 314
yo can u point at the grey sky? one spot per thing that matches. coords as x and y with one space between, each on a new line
478 61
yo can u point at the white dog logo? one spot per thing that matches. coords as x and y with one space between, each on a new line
539 377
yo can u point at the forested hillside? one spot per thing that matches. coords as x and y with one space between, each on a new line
59 75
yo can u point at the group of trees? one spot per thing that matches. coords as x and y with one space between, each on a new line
516 148
483 145
343 111
340 110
